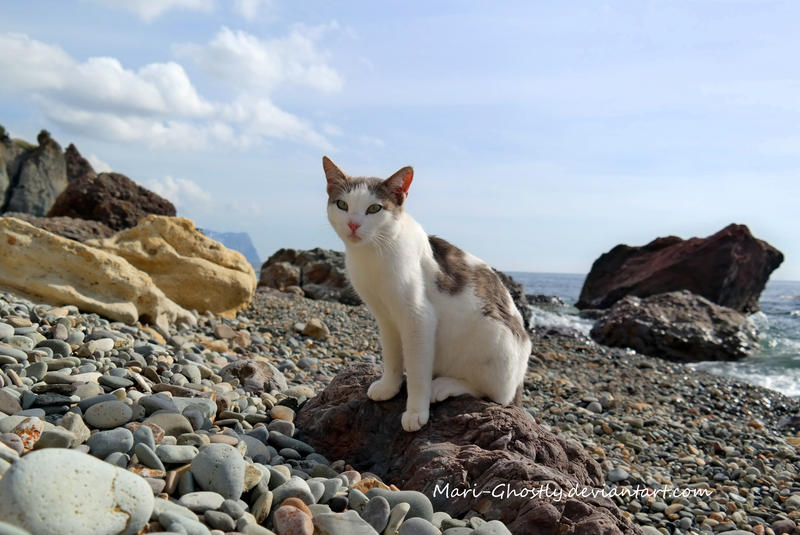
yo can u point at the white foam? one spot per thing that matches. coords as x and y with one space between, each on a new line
555 320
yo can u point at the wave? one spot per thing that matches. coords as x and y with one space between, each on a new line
559 321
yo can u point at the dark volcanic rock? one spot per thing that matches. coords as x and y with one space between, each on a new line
68 227
35 177
319 272
730 268
77 165
111 198
677 326
467 444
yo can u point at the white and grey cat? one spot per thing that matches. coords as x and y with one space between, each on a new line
445 318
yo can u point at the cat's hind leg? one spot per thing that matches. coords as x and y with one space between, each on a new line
449 387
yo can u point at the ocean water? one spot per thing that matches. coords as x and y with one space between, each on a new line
775 365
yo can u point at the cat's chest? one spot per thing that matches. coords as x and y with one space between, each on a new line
384 279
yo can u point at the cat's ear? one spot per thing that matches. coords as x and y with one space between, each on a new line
397 184
333 174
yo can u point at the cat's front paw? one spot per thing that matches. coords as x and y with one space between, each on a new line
414 420
381 390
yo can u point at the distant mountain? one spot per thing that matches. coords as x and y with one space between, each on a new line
238 241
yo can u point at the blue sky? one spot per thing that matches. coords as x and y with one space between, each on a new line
542 133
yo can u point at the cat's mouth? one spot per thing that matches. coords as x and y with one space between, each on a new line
354 238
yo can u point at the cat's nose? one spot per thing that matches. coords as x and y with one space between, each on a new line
353 226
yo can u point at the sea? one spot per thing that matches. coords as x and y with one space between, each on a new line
775 364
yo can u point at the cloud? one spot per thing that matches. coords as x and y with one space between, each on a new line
264 64
149 10
158 104
250 9
98 165
185 194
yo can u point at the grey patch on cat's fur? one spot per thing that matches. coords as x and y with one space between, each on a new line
454 275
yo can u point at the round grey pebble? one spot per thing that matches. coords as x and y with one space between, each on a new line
219 520
108 415
420 505
495 527
148 457
219 468
376 513
618 474
294 488
6 331
113 382
417 526
200 502
104 443
59 347
174 454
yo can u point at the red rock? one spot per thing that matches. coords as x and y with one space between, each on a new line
729 268
467 444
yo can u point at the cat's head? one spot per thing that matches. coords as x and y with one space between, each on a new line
363 211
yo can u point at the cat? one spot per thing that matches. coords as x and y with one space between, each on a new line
444 316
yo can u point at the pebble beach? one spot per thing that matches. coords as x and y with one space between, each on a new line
179 441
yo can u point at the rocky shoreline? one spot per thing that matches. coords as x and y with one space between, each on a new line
152 402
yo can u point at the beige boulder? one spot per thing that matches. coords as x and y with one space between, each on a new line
48 268
192 269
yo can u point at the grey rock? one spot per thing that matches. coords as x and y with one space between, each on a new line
59 347
219 468
56 437
376 513
41 177
420 505
396 517
6 528
103 443
294 488
172 423
219 520
347 523
494 527
148 457
176 454
108 414
417 526
180 524
200 502
102 499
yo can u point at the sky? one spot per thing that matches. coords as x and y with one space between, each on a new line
542 133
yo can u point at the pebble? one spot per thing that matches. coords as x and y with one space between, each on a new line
102 498
104 443
376 513
108 414
294 488
174 454
219 468
419 504
418 526
202 501
494 527
347 523
289 520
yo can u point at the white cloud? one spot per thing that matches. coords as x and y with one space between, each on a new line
158 104
149 10
266 63
250 9
185 194
98 165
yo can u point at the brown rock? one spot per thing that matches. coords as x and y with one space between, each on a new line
677 326
316 329
111 198
77 165
467 444
254 375
729 268
290 520
69 227
279 275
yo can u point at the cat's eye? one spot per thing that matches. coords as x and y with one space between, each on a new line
342 205
374 208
